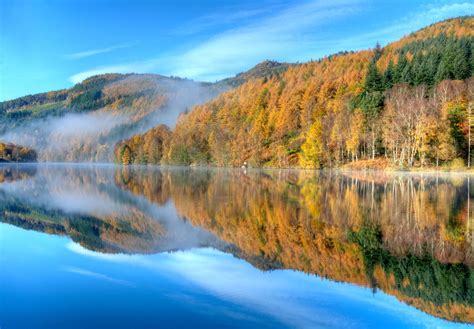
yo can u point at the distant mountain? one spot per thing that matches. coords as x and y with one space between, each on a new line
407 102
265 69
83 123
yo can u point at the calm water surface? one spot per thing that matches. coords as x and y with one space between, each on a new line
112 247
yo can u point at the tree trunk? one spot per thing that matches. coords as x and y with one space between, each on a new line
373 144
469 135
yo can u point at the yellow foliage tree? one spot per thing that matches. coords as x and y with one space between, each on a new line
312 148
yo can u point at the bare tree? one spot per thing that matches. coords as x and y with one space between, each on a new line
470 116
408 110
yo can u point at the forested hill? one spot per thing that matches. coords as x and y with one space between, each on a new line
84 123
407 103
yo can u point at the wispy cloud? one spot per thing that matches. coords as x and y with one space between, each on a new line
134 67
223 19
295 33
96 275
274 35
425 16
92 52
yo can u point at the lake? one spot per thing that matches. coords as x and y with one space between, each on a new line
103 246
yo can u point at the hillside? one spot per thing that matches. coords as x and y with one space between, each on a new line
407 102
84 123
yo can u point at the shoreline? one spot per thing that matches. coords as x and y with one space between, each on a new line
342 169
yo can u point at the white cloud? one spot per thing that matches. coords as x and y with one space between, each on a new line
224 54
125 68
274 37
92 52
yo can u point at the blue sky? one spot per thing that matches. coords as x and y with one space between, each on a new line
48 45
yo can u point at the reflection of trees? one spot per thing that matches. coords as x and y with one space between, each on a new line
132 233
10 173
97 213
126 229
401 233
420 277
416 214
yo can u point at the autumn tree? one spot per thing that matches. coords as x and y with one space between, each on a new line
355 133
126 157
312 148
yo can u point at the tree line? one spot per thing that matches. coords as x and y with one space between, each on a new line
143 149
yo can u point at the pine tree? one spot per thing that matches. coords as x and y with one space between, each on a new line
445 69
442 72
377 52
431 68
460 64
418 70
407 74
401 65
388 76
373 80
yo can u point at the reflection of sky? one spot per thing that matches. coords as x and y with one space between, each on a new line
50 282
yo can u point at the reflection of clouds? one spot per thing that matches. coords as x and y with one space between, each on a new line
210 308
120 258
269 292
66 194
100 276
293 298
85 201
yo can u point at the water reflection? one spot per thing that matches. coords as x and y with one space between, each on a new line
410 236
84 203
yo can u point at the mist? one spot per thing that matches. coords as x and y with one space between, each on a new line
92 136
59 132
